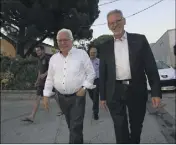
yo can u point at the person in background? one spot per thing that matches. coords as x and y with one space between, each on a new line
94 93
70 73
43 62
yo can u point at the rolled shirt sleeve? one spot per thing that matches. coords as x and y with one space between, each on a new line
49 83
90 72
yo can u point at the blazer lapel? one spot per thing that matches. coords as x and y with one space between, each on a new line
112 49
112 56
131 48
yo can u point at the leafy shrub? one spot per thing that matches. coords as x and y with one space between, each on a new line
18 73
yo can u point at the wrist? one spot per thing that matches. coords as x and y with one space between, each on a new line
84 88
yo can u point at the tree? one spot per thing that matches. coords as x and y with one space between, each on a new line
28 22
99 41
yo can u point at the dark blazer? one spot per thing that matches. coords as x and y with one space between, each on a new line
142 63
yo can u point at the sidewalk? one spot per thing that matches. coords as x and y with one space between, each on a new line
102 131
48 128
170 100
165 116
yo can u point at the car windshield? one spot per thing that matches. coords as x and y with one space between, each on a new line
161 65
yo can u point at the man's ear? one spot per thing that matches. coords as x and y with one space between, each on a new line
124 21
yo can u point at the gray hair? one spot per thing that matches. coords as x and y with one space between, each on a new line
116 11
68 31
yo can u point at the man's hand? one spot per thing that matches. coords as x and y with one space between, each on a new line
42 76
81 92
156 102
103 105
45 103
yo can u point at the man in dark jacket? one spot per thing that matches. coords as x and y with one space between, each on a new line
125 61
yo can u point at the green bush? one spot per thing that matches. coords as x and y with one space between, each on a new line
18 73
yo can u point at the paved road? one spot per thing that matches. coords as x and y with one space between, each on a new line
169 99
48 128
166 116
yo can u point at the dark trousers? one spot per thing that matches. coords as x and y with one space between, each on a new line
73 108
122 100
94 95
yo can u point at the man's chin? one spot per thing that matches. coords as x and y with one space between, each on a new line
117 33
63 49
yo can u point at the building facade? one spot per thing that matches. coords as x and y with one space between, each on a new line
163 49
7 49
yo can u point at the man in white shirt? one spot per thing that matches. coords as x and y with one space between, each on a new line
70 73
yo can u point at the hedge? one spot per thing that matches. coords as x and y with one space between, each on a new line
18 73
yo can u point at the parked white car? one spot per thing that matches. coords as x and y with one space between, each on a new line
167 76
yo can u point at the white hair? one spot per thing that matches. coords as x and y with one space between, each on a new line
68 31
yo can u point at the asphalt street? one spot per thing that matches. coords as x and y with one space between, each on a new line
49 128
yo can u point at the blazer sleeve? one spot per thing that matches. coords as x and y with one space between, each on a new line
102 75
151 69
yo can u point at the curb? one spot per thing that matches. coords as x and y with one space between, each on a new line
166 122
18 94
18 91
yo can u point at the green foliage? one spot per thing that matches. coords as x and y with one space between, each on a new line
18 73
29 22
99 41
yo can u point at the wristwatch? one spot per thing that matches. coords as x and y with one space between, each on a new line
84 87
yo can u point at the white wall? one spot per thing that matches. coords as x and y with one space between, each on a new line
48 49
161 49
172 42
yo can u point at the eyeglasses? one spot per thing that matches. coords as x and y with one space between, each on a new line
116 22
63 40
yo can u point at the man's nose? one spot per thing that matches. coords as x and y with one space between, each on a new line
115 25
62 42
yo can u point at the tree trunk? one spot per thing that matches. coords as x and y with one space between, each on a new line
20 44
20 49
55 42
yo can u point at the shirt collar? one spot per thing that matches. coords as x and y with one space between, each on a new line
122 38
70 52
94 59
42 57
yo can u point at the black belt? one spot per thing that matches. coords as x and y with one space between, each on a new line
96 79
67 95
125 82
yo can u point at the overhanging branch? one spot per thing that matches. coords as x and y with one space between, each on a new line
30 49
